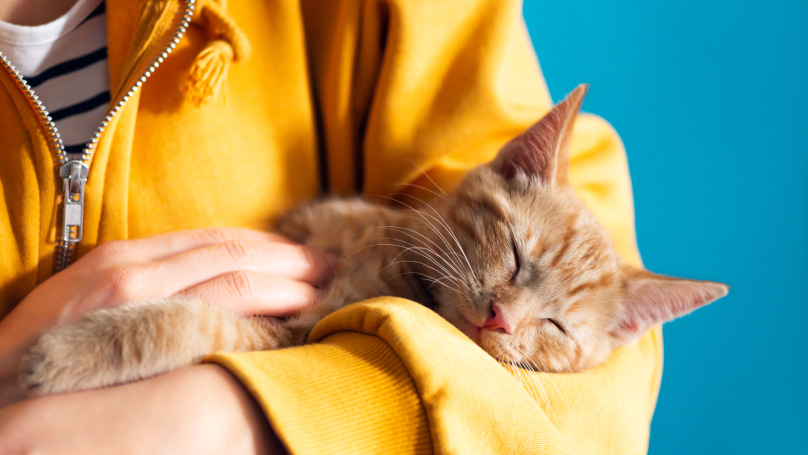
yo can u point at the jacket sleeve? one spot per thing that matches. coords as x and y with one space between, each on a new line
391 376
403 89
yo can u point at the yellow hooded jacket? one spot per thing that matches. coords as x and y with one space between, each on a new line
263 104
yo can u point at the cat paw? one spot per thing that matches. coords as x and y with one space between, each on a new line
61 360
43 372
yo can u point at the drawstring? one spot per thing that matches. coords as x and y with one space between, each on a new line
227 44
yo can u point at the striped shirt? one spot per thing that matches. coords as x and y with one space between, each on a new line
65 62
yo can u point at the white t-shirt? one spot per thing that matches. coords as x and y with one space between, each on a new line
65 63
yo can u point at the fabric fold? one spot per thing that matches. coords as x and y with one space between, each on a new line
471 404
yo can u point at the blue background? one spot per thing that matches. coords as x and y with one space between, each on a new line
710 100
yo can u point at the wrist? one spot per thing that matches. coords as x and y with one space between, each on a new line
241 417
10 390
15 339
18 331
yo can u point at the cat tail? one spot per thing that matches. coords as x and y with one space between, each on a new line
120 345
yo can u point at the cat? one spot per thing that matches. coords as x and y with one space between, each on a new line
512 258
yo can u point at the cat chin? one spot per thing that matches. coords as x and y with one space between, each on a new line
464 325
488 340
492 343
454 316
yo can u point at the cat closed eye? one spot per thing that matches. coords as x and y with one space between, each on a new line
556 324
517 267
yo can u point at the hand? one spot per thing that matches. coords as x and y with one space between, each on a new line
200 410
242 270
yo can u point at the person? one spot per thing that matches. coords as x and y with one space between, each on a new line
224 116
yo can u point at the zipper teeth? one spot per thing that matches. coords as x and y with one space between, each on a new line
185 21
89 148
66 251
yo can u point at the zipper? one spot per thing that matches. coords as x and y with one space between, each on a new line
74 172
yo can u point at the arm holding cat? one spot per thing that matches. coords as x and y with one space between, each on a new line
201 410
245 271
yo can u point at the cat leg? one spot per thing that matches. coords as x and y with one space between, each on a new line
121 345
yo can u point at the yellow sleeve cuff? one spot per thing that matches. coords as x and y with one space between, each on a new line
348 394
391 376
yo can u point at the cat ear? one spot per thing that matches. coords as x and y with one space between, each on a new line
652 299
542 152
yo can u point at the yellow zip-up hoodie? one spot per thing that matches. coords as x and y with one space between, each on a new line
263 104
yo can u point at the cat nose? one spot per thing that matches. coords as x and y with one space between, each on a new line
498 321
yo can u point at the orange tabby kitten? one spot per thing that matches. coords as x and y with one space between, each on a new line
511 257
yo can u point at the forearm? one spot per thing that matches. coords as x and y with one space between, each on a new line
201 263
200 409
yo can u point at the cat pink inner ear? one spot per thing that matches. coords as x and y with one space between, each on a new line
652 299
542 152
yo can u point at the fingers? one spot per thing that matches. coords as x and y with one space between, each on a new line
251 293
235 268
147 281
296 262
164 246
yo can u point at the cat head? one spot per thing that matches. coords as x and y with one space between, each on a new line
529 273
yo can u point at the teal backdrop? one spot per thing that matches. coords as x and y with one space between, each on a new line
710 98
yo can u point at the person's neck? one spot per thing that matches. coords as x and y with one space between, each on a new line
33 12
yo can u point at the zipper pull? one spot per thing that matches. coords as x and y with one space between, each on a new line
74 175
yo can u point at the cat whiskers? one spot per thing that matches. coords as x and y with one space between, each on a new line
439 219
425 174
546 376
428 254
417 250
425 250
454 237
441 195
526 373
433 281
444 274
443 253
532 385
528 368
